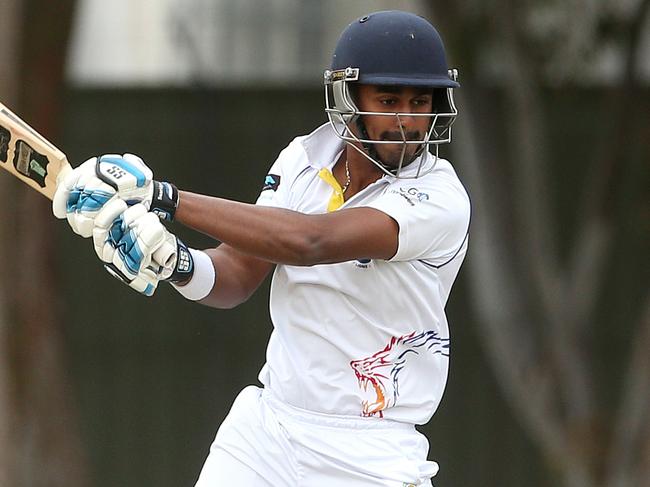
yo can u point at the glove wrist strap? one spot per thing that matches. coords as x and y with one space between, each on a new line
184 269
164 200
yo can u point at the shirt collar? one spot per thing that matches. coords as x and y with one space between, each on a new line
322 146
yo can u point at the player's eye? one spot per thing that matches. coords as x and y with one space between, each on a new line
387 101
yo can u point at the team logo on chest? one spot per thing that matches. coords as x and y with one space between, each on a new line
379 374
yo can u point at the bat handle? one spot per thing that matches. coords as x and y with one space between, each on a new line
66 169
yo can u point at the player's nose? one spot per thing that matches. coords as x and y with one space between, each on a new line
405 122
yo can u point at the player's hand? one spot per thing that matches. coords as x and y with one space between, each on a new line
137 249
82 193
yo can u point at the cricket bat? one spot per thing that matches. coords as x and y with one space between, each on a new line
37 162
28 155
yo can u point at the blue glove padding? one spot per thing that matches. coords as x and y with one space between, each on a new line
84 192
126 239
138 249
80 196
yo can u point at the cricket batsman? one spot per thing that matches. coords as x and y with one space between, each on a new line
364 228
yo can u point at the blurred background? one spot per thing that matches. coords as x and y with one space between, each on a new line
550 316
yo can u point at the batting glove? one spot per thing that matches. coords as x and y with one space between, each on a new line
84 191
137 249
79 197
133 182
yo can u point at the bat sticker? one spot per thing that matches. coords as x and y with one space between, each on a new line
5 138
30 163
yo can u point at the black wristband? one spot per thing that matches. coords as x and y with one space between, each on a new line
184 269
164 200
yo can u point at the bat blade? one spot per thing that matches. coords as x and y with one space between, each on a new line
28 155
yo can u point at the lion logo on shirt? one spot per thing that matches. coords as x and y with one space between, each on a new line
381 371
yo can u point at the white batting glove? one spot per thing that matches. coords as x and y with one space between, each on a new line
137 249
133 182
84 191
79 196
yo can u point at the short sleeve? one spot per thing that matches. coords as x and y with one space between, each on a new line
433 217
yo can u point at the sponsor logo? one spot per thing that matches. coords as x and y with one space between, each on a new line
170 191
408 200
414 193
163 215
164 190
363 263
271 182
184 260
411 195
37 168
30 163
5 137
379 374
116 171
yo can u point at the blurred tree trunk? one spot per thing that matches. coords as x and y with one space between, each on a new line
9 11
39 438
536 309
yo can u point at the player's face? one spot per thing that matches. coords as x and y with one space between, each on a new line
393 99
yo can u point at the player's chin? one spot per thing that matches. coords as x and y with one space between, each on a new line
393 156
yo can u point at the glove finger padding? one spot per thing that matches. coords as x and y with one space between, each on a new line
66 183
83 195
126 240
146 282
80 195
166 256
85 201
83 192
104 222
134 240
110 226
134 235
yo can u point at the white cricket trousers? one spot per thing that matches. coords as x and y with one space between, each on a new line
266 443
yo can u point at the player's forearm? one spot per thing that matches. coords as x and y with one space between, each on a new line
276 235
238 276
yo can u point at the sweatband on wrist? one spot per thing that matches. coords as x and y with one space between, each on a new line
203 279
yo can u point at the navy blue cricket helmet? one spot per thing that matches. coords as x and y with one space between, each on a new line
390 48
394 48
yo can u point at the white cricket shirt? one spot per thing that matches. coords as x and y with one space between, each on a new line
366 337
